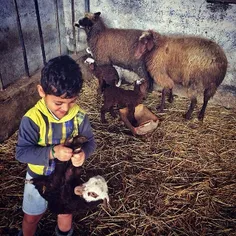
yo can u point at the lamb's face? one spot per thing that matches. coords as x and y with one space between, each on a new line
93 190
88 21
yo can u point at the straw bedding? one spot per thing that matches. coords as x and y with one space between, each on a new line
178 180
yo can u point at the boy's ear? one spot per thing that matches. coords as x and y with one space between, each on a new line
41 91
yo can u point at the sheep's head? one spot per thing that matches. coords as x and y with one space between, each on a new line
93 190
145 44
88 21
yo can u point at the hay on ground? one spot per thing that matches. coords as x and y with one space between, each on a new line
178 180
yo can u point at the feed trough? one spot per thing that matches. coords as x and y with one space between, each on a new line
147 121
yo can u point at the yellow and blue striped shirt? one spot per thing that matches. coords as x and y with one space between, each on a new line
39 130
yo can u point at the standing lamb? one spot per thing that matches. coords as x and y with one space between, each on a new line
113 46
123 98
198 64
106 74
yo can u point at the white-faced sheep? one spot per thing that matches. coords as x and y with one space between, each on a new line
113 46
64 189
114 96
106 74
198 64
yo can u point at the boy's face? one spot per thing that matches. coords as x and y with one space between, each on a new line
59 106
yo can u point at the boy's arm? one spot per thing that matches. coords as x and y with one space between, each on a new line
85 129
27 148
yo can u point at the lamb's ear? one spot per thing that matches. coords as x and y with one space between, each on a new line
68 142
96 15
83 139
78 190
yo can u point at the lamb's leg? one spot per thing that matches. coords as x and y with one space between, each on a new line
103 111
131 116
143 73
193 103
207 96
162 105
112 112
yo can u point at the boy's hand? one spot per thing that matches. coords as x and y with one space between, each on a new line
63 153
78 159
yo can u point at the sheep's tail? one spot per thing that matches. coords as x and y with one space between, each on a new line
119 83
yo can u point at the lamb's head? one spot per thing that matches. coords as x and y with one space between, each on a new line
88 21
141 86
75 143
90 62
93 190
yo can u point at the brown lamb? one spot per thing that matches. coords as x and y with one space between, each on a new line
113 46
114 96
196 63
106 74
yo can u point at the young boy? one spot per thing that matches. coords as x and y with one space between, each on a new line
42 132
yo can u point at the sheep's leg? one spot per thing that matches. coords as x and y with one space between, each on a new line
193 103
162 105
170 97
207 96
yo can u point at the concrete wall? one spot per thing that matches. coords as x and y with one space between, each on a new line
192 17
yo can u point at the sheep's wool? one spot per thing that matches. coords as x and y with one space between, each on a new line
98 186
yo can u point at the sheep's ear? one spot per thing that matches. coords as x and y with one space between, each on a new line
96 15
150 44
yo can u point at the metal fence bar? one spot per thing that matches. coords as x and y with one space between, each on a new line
21 39
58 25
87 6
40 30
73 21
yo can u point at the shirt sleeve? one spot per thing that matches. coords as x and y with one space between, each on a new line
27 148
85 129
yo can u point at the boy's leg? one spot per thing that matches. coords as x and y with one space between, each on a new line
33 206
29 224
64 224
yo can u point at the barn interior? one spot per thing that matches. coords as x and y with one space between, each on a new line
176 180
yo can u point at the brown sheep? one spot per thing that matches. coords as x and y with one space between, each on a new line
123 98
113 46
198 64
106 74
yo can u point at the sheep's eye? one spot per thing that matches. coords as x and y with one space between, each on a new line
92 194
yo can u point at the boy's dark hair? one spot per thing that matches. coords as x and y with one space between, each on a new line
61 76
